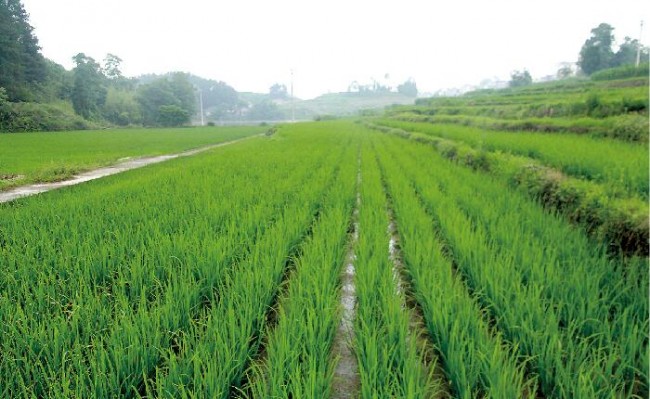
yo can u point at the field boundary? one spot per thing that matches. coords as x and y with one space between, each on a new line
620 224
126 164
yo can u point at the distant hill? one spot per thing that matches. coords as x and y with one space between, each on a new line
341 104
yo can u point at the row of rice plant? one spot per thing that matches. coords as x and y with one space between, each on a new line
622 166
632 127
583 341
212 358
390 362
296 360
476 360
99 281
620 223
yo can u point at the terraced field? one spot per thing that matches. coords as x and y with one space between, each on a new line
579 147
327 260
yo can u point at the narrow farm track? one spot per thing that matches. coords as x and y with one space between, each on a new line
38 188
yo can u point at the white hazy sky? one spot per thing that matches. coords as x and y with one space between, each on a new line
251 44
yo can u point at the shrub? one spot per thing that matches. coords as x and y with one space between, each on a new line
28 117
622 72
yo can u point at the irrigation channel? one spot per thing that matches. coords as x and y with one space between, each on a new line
346 375
127 164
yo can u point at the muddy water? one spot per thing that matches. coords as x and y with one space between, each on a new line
129 164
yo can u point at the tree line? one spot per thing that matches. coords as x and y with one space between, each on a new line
596 54
39 94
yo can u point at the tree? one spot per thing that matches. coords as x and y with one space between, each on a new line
408 88
278 92
112 67
565 71
596 53
184 91
88 90
627 51
265 111
175 90
172 115
121 107
5 110
520 78
22 66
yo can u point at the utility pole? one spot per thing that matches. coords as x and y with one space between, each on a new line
293 111
197 88
638 46
201 105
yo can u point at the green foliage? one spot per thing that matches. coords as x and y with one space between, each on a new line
89 89
408 88
265 111
218 275
278 92
568 312
596 52
569 195
22 67
172 115
33 117
58 84
520 78
627 53
121 108
622 72
166 100
219 99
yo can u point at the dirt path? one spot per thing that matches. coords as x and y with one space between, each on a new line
37 188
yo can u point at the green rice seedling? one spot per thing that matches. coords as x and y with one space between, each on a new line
476 359
214 358
622 166
534 323
50 156
151 270
296 359
390 363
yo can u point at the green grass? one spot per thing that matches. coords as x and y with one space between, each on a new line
51 156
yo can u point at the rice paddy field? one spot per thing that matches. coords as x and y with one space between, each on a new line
53 156
384 258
